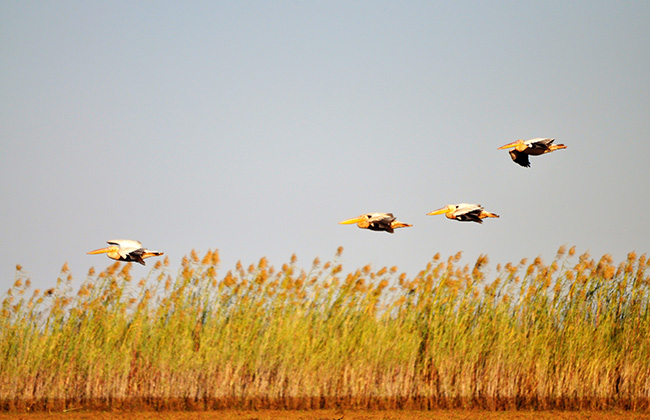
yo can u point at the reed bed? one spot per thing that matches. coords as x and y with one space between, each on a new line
574 334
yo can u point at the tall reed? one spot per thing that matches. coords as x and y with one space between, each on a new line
568 335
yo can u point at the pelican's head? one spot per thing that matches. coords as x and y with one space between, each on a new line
446 209
361 221
108 249
513 144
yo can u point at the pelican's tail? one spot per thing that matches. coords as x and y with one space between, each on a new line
397 224
147 253
488 214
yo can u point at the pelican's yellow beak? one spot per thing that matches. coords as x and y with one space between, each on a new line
439 211
100 251
513 144
351 221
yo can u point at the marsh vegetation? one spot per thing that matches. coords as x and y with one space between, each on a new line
571 334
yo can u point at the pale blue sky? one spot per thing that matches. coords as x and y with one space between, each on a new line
255 127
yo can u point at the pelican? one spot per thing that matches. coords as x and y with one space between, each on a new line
534 147
385 222
464 212
126 250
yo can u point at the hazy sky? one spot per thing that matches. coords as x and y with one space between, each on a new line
255 127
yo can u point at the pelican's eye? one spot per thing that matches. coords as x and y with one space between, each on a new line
368 216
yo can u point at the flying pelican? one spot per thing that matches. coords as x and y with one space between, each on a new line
534 147
464 212
126 250
385 222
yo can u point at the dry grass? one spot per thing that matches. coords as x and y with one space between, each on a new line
574 334
335 415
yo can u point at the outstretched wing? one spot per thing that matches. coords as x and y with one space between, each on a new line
381 222
464 208
520 158
134 255
125 243
468 212
470 217
128 247
539 143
